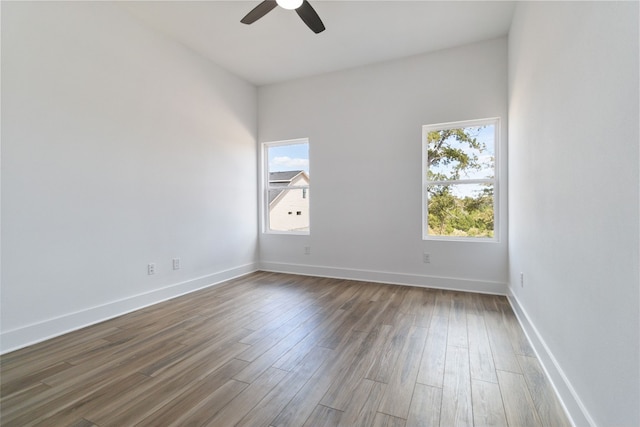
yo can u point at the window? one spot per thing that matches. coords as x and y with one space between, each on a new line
286 186
460 180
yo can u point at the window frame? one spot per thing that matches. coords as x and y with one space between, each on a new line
495 181
265 216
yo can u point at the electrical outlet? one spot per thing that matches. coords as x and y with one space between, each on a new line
176 263
307 250
521 279
151 269
426 258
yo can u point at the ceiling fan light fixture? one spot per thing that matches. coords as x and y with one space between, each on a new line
289 4
305 11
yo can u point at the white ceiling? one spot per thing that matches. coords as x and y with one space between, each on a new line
280 47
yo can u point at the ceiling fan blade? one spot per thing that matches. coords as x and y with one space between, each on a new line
310 17
259 11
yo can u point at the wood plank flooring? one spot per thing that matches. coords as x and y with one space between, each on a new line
276 350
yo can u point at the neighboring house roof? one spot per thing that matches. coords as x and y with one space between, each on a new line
283 176
282 179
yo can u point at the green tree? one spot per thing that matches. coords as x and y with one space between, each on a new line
442 208
452 152
455 210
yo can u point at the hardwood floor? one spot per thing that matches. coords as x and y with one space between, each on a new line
282 350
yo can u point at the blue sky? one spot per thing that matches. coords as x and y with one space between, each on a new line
289 157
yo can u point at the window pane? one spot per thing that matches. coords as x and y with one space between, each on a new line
288 187
462 153
461 210
289 209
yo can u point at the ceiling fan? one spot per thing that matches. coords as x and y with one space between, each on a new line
302 7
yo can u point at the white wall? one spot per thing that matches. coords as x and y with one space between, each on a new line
364 127
119 148
573 192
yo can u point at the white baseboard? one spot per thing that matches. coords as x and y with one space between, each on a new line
41 331
449 283
569 399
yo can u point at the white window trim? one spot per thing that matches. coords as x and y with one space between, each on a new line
264 185
495 181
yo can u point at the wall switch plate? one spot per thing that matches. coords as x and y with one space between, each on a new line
426 258
521 280
307 250
151 269
176 263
